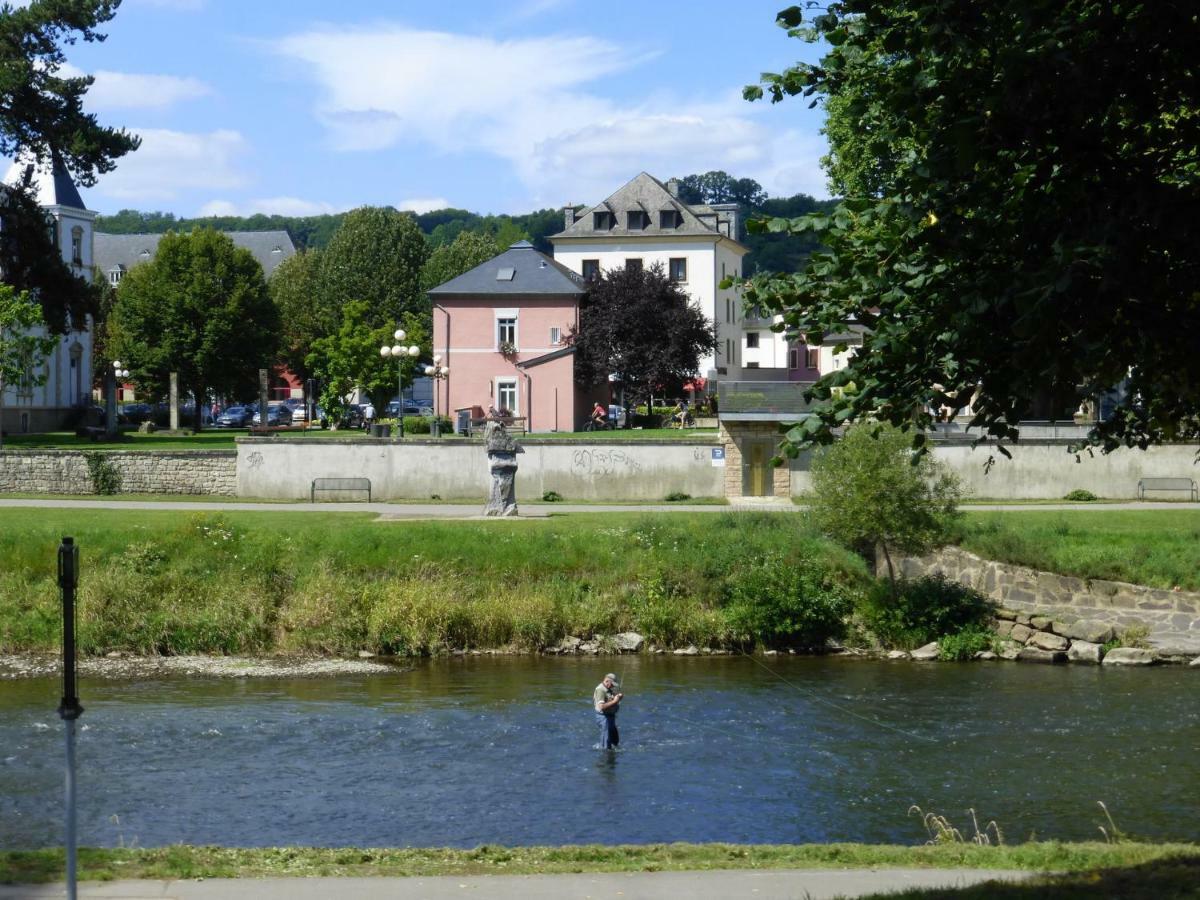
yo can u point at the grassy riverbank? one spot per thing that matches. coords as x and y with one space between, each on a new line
246 583
182 861
1160 548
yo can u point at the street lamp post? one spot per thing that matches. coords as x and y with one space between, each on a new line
437 372
398 351
110 397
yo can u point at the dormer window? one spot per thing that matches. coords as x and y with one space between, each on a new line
669 218
603 221
145 254
636 220
115 274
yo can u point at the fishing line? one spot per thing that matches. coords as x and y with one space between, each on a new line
819 699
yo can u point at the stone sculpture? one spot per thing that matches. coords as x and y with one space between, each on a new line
502 453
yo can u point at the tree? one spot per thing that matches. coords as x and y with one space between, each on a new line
869 490
464 253
1022 191
200 308
42 121
349 358
376 256
720 187
304 317
22 349
640 326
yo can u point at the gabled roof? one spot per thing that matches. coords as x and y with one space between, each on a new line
109 251
645 193
520 269
49 183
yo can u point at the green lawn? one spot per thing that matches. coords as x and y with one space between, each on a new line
1160 547
182 861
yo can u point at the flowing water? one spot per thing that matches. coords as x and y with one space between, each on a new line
462 752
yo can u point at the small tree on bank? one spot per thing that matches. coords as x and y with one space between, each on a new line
869 490
22 349
642 327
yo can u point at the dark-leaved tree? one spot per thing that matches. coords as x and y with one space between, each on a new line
641 327
1022 199
200 308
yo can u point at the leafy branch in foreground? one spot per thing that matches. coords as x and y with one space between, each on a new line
1022 185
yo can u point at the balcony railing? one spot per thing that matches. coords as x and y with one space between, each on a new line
763 400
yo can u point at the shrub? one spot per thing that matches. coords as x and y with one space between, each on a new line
423 424
776 603
921 610
964 644
552 497
677 496
1081 496
103 474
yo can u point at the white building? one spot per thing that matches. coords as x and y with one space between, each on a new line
645 223
67 371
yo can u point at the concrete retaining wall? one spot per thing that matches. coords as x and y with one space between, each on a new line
417 470
1044 470
211 472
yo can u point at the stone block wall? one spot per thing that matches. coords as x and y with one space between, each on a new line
1172 617
211 472
735 436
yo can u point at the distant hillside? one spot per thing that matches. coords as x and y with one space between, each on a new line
768 252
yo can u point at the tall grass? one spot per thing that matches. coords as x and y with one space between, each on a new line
234 582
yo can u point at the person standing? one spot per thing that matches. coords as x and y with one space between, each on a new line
606 700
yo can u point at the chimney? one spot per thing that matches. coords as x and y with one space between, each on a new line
568 215
729 217
673 187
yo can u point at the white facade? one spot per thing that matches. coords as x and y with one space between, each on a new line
67 372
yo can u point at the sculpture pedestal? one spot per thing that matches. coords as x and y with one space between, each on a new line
502 453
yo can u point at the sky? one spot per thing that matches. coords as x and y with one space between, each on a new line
306 107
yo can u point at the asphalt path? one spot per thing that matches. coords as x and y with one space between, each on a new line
763 884
530 510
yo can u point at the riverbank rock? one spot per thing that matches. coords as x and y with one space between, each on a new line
1003 613
689 650
1088 630
1085 652
1033 654
1009 650
1130 656
1043 640
1022 618
903 654
1195 663
1041 623
926 653
986 655
628 642
1021 633
568 645
1004 627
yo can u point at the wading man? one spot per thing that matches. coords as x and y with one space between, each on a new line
606 701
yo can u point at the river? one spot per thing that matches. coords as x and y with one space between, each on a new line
499 750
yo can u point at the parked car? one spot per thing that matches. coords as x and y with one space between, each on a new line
235 417
135 413
410 409
278 416
352 417
299 409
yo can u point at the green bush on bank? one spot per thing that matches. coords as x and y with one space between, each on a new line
921 610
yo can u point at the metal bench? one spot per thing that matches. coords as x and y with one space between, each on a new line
1166 484
512 423
340 484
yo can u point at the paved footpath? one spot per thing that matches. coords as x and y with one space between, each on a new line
529 510
771 884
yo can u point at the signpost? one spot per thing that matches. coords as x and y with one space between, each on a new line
69 709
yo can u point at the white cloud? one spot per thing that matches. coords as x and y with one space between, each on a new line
127 90
270 206
423 204
536 103
169 162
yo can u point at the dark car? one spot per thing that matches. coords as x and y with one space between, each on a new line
235 417
410 409
136 413
278 415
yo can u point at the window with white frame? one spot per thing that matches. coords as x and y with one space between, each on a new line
678 268
793 358
506 331
77 246
555 335
591 270
506 396
751 340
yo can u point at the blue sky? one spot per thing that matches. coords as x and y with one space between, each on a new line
306 107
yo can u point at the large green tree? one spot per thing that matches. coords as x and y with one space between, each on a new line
721 187
641 327
376 256
468 250
1022 187
23 344
43 122
304 315
200 308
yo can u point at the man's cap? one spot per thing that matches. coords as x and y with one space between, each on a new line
611 677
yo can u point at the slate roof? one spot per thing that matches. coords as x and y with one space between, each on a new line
50 184
532 272
109 251
647 194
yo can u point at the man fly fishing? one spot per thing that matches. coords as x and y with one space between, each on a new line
606 699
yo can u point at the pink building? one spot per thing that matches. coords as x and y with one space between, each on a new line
502 329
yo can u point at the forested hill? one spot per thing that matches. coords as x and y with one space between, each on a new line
768 252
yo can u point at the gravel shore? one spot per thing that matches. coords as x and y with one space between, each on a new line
39 666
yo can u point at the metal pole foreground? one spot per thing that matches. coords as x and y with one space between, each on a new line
69 709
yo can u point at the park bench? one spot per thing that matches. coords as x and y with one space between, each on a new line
1166 484
512 423
340 484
